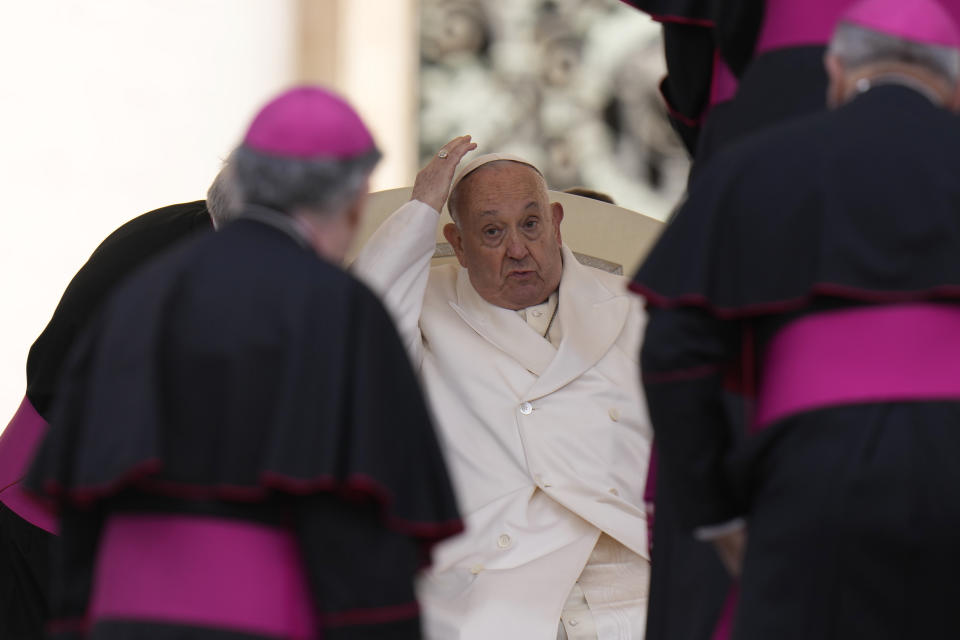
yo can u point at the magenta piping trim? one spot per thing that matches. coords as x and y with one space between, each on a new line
379 615
18 443
650 495
650 487
724 628
30 508
68 625
355 485
202 571
881 354
694 22
676 115
699 301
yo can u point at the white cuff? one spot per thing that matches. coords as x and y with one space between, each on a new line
714 531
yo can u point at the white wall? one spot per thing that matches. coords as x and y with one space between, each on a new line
109 109
377 54
368 51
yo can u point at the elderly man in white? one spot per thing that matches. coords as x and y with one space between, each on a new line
529 360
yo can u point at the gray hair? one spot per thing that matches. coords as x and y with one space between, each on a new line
221 203
858 46
324 186
453 201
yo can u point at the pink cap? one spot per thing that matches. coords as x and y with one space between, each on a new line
923 21
309 122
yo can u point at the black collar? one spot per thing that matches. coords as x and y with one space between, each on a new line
278 220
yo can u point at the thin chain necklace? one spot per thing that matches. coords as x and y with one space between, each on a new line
552 316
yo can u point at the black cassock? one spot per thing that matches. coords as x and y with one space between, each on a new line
814 272
240 449
24 527
774 83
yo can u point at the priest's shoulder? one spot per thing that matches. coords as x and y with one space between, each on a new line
762 168
299 268
766 151
122 253
366 300
159 226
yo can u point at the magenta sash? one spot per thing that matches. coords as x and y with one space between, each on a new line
885 353
202 571
797 23
724 85
18 442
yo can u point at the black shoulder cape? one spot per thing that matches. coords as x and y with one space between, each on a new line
695 32
121 253
241 365
860 203
24 572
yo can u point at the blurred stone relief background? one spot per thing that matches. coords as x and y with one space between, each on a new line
569 84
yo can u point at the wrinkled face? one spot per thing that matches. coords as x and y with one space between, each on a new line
509 234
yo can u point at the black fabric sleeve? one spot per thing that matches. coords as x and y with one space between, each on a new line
24 573
689 51
72 559
685 355
738 24
120 254
361 573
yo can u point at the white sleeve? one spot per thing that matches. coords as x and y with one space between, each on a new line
395 263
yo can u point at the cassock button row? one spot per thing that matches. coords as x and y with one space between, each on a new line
526 408
504 541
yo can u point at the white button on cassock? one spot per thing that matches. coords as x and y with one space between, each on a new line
475 569
504 541
526 408
614 414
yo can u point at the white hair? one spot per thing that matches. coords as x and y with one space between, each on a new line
322 186
221 203
858 46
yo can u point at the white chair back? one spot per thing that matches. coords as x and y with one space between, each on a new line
601 235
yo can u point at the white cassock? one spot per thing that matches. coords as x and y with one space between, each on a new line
548 446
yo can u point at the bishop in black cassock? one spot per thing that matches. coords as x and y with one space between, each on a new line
239 446
813 273
26 526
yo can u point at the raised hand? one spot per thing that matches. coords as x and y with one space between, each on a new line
433 182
